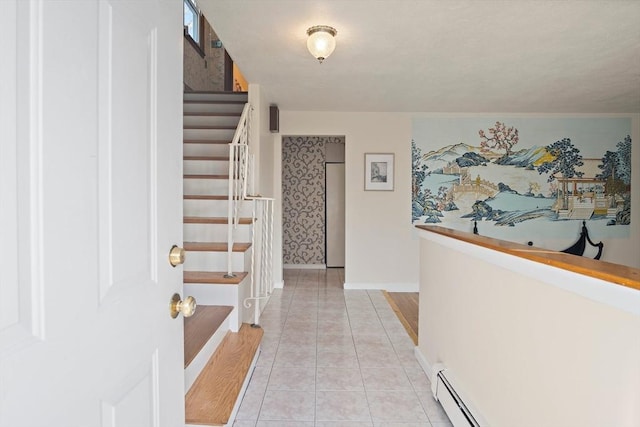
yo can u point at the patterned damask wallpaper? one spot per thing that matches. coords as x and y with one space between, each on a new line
303 198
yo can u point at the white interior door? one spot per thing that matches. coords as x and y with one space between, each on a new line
335 214
90 205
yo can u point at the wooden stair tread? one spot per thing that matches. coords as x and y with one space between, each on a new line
213 220
206 101
208 158
214 246
205 197
215 127
213 277
203 176
216 92
212 397
207 141
200 327
211 114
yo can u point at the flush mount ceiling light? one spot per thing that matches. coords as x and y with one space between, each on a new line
321 41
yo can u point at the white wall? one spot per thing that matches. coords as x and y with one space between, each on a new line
263 176
381 244
529 344
381 250
264 149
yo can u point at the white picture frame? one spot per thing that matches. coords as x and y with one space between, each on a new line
378 171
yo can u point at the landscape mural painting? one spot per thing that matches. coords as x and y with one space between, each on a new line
522 179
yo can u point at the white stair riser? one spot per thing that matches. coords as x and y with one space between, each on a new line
206 150
234 295
206 186
216 261
214 208
209 167
209 134
214 233
210 120
209 294
198 363
191 107
212 294
225 96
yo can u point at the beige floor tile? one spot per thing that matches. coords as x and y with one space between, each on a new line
335 358
342 406
281 405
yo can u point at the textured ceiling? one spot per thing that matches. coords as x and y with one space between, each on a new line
439 55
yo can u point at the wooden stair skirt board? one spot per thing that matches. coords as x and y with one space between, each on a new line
214 220
214 246
217 277
200 327
214 398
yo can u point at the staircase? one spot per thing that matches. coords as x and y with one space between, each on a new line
220 346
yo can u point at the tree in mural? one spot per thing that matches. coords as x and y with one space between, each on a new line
624 172
624 160
609 166
418 174
534 188
565 159
500 136
442 199
430 208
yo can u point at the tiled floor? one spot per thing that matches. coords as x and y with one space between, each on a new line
334 357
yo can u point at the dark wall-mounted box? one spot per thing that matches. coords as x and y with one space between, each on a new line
274 118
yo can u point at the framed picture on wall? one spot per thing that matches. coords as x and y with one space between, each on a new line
378 171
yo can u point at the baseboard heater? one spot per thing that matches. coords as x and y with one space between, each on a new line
444 392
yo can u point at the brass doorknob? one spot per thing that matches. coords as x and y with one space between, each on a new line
186 307
176 255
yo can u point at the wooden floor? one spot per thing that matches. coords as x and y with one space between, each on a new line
405 305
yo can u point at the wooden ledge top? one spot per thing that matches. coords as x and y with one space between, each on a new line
610 272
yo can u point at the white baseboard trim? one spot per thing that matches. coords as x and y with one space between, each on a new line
390 287
279 285
306 266
423 362
428 370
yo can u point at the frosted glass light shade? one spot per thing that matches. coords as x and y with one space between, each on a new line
321 42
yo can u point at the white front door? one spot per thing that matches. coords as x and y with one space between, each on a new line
90 205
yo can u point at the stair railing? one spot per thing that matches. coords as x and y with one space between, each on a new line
261 282
241 170
238 167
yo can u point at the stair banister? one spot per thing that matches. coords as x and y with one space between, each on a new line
261 283
238 160
241 173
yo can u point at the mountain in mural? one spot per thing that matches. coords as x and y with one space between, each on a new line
465 155
468 155
526 158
